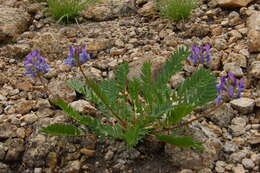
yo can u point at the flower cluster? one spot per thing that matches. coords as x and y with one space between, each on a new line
35 64
200 54
77 56
229 87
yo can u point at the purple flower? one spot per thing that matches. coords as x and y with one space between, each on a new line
230 87
35 64
200 54
77 56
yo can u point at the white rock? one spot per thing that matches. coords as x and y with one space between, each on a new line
243 105
249 164
82 106
234 68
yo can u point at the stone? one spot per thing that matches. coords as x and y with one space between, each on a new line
109 155
238 156
13 21
234 18
243 105
60 89
136 66
257 102
255 69
234 68
72 167
248 163
87 152
220 43
24 86
15 149
51 160
16 50
254 32
238 126
5 168
230 147
186 171
188 158
82 106
108 9
149 9
24 106
49 43
238 169
99 45
7 130
30 118
223 115
233 3
239 59
43 103
176 79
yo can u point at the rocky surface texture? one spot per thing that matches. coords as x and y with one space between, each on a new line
230 134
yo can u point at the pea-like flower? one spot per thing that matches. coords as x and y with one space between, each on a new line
229 86
35 64
77 56
200 54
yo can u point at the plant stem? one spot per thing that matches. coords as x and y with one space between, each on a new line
192 120
120 120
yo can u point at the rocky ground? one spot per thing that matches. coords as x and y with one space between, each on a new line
114 33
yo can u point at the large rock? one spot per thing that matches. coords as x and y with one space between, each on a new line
243 105
253 35
13 21
233 3
149 9
190 158
107 9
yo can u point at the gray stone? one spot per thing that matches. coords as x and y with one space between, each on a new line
238 126
222 116
13 21
109 155
248 163
238 156
43 103
230 147
243 105
73 167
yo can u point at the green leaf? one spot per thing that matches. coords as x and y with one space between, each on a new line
82 119
180 141
178 113
133 135
62 130
172 65
121 76
81 88
198 89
